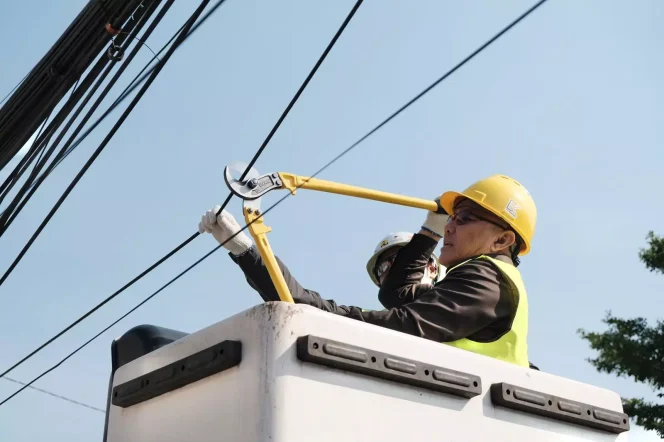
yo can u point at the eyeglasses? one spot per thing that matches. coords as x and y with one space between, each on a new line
462 218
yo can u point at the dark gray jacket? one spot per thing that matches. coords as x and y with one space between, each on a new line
473 301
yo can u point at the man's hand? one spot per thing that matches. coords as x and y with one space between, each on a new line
434 225
223 227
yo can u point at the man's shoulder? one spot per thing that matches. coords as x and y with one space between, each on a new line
481 278
480 266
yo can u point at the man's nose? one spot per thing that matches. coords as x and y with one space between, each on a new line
450 227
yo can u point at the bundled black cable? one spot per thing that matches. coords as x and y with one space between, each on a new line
55 74
111 52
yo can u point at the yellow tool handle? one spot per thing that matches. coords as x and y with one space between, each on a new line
293 182
258 230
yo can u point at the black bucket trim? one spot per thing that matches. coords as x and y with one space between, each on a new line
554 407
386 366
212 360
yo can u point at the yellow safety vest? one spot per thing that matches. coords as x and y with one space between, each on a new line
512 346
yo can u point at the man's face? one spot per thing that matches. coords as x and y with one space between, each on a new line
473 231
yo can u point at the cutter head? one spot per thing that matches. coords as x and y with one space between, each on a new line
253 188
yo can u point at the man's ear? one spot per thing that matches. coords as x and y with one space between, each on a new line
503 242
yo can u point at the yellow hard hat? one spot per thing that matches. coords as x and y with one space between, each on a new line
506 198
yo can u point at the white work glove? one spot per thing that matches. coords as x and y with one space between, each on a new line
223 227
435 223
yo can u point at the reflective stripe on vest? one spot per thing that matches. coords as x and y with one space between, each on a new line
512 346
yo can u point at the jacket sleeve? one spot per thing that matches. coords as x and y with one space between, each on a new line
467 300
252 265
402 283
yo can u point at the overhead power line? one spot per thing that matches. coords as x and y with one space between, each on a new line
335 159
130 88
69 146
6 215
57 396
74 52
191 238
80 96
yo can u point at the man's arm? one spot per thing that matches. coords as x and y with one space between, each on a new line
402 283
259 279
226 230
467 300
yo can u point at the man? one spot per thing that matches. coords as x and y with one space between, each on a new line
244 253
481 304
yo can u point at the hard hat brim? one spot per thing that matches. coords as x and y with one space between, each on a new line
447 200
371 264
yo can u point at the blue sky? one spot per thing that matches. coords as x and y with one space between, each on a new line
569 102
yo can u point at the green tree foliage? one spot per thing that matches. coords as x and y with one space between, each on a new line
632 348
653 256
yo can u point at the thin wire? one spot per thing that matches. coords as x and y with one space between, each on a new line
43 148
41 152
3 193
304 85
135 37
19 169
192 237
55 395
14 88
293 100
34 143
331 162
